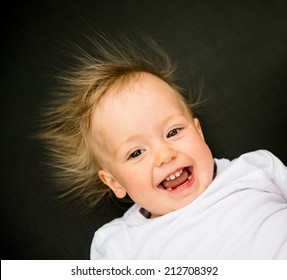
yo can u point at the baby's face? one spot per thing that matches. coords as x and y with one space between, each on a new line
151 147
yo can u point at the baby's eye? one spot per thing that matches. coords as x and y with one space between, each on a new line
136 153
173 132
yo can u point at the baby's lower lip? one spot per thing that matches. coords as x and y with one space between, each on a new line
184 185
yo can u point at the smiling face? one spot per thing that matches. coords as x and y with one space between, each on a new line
150 146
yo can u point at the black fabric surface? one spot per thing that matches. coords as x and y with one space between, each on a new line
235 51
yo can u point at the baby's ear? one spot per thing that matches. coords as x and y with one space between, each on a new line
109 180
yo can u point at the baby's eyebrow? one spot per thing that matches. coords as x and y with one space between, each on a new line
138 136
130 139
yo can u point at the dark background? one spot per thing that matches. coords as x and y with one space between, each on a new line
234 51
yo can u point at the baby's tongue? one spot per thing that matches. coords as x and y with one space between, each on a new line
171 184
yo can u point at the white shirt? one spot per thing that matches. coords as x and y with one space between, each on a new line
241 215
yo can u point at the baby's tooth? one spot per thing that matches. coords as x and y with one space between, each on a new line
172 177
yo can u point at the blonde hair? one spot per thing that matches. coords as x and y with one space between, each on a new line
67 119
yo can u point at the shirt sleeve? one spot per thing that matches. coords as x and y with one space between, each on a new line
274 168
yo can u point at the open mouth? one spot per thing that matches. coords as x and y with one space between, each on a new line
177 180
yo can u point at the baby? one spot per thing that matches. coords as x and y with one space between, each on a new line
125 122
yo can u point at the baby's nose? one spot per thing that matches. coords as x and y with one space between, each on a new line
164 154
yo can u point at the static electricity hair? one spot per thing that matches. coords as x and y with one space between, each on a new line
82 84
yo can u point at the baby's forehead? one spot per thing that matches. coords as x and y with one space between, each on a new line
137 86
143 91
